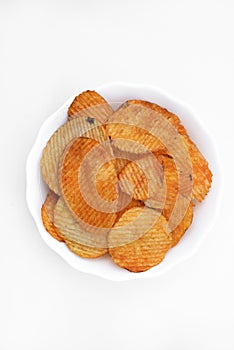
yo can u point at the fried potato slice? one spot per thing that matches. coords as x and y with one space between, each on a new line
91 105
82 243
202 175
125 202
138 126
47 215
60 139
143 178
171 181
129 130
80 190
144 252
171 117
84 251
183 226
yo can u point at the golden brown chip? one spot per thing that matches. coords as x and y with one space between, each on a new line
143 178
144 252
171 182
91 105
84 251
60 139
77 182
185 223
129 130
172 118
202 175
106 180
125 202
47 214
138 126
86 244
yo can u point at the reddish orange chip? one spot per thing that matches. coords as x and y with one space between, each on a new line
143 178
91 105
85 251
47 214
183 226
54 148
71 231
77 181
172 118
129 129
142 253
202 175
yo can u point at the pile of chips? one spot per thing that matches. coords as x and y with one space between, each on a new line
122 182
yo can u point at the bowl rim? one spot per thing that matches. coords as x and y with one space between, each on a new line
69 256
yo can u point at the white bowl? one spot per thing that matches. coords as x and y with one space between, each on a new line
204 213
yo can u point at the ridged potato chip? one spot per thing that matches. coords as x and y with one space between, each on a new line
60 139
79 192
129 130
84 251
125 202
47 215
91 105
171 181
144 252
138 126
202 175
143 178
83 243
185 223
171 117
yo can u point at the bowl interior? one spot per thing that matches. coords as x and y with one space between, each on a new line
115 94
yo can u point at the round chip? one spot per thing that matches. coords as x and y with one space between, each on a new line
171 186
171 117
125 202
202 175
144 179
80 191
139 126
47 215
144 252
60 139
91 105
86 244
183 226
84 251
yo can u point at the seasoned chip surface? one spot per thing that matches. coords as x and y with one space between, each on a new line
91 105
77 192
183 226
47 215
59 140
70 230
202 175
144 252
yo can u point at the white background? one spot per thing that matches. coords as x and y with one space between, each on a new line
51 50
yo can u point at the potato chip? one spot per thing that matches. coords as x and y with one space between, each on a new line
138 126
129 130
91 105
171 182
185 223
84 251
47 215
144 252
143 178
172 118
77 170
59 140
202 175
85 244
125 202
